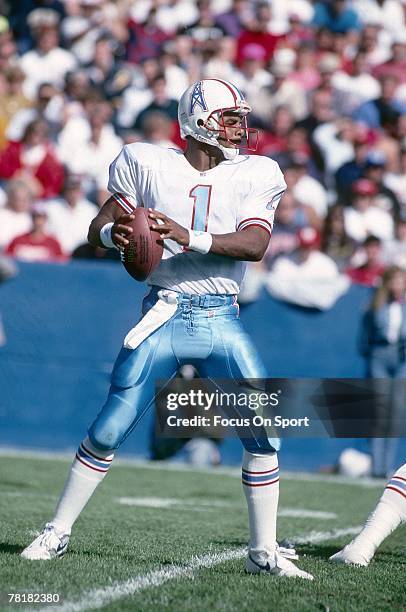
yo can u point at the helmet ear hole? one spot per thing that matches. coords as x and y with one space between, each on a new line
200 122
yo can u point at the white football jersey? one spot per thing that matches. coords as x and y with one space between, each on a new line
228 198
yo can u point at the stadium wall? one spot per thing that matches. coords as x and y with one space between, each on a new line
64 325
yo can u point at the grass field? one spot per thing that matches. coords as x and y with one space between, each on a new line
171 539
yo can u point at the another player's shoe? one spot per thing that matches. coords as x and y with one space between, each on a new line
48 545
352 555
275 566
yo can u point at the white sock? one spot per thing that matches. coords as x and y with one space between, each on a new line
388 514
260 477
88 469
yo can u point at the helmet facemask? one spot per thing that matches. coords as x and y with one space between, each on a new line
219 130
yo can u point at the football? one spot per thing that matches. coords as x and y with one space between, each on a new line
144 251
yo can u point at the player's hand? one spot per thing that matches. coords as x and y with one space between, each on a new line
168 228
120 230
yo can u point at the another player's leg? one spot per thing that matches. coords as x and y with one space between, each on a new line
234 356
388 514
131 393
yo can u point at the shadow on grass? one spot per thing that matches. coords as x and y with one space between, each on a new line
12 549
18 484
321 552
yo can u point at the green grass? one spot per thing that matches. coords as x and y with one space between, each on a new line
113 543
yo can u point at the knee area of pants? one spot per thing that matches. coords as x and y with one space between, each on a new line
104 438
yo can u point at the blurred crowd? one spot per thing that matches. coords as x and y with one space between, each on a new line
326 81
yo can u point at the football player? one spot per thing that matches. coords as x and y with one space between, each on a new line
389 513
214 208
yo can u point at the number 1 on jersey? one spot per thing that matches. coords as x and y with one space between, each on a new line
200 217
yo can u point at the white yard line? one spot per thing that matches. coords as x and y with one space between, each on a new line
97 598
303 513
202 506
169 503
314 537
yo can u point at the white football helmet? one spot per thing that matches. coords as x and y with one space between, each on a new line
201 114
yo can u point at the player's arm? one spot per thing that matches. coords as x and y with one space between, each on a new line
109 213
248 244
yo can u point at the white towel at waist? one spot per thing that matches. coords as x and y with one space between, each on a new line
159 314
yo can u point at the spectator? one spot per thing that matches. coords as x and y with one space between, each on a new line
174 15
105 72
389 13
319 112
15 216
160 102
396 181
373 43
275 139
353 169
157 129
12 100
92 19
139 95
396 64
220 61
384 343
357 86
374 171
382 111
70 215
299 31
282 91
48 105
34 161
308 191
76 91
363 217
335 241
395 250
370 271
289 219
8 56
205 31
236 19
336 16
18 15
306 74
145 40
257 33
92 155
47 62
335 141
176 77
253 75
37 244
307 277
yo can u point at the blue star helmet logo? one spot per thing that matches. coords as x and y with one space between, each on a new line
197 98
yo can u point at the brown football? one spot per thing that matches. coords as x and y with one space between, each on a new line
144 251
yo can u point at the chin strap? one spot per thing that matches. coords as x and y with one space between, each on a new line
229 153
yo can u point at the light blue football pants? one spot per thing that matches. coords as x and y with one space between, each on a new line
206 332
